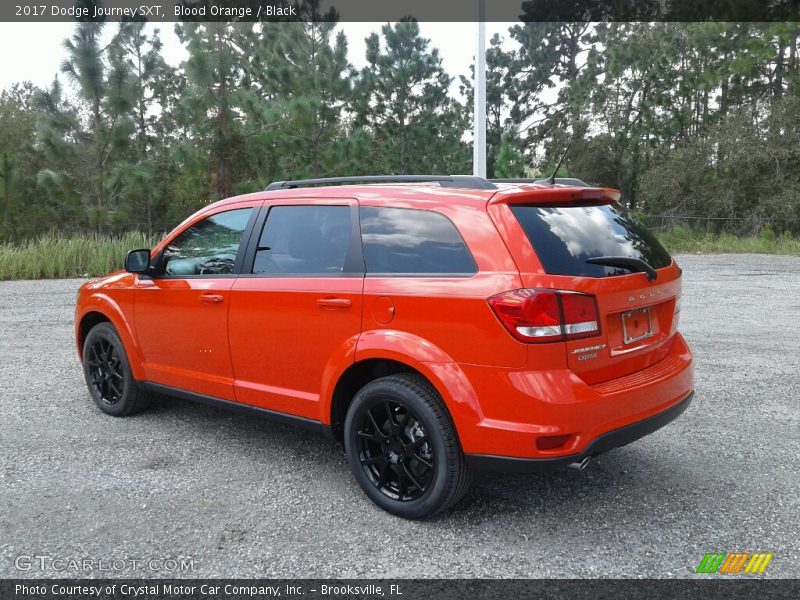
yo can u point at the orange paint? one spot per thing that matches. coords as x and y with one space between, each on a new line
283 342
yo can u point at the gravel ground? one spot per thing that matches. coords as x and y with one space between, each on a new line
242 497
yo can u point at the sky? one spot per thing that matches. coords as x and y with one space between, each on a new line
33 51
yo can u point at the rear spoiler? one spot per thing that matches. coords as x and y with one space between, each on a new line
554 195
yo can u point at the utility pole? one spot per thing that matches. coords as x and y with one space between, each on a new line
479 95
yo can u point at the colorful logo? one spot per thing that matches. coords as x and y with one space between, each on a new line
734 563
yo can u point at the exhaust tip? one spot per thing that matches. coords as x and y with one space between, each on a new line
582 464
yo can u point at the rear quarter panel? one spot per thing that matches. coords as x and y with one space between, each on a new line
450 313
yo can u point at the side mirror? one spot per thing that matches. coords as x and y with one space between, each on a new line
138 261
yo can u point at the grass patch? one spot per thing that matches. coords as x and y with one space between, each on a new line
685 239
56 256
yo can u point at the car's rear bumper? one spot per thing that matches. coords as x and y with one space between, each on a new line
603 443
553 415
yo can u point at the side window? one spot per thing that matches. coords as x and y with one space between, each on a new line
208 247
304 240
407 241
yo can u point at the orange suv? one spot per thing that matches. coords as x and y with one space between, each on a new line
433 325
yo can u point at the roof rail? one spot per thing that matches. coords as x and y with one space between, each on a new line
455 181
561 180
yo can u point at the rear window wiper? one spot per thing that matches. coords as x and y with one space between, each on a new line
627 262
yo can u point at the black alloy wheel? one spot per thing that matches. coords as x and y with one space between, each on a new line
402 447
108 373
105 371
395 452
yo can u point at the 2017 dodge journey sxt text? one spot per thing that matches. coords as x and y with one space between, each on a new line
433 325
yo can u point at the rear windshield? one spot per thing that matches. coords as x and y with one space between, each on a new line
564 237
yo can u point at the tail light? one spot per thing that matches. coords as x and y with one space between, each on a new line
547 315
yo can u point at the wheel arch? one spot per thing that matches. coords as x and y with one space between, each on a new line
87 322
102 309
447 379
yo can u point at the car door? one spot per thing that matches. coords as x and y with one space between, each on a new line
181 312
299 309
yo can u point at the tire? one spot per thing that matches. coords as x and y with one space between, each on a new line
108 373
403 448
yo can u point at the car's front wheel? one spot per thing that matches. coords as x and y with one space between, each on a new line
403 448
108 373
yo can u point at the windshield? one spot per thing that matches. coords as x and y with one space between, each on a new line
565 237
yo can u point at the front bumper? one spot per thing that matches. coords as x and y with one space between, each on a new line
603 443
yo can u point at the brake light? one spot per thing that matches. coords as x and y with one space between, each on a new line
546 315
580 315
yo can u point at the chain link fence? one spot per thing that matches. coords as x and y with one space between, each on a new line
750 225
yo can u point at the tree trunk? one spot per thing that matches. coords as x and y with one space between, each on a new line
6 196
149 212
142 107
778 89
225 179
97 118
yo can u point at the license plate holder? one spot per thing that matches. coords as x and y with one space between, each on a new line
637 325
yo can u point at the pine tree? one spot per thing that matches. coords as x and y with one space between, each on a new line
59 128
406 106
140 56
502 108
214 75
18 120
300 101
686 118
103 82
555 70
510 161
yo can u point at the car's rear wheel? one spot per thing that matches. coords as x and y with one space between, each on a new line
403 448
108 373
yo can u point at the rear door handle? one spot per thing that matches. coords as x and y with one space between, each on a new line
211 298
335 302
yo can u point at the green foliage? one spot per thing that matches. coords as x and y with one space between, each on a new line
56 255
101 138
18 162
208 107
681 238
698 123
692 119
502 106
510 162
404 98
311 89
742 173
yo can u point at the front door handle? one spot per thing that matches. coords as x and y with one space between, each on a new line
335 302
211 298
